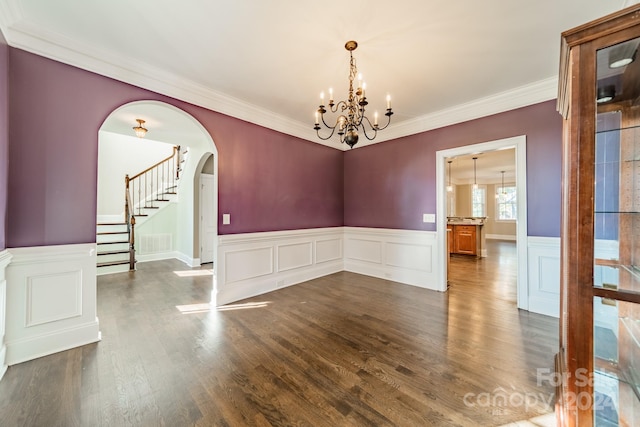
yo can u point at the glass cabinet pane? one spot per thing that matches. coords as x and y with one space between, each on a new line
616 201
617 169
616 344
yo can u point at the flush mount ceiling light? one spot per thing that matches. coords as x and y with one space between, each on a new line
606 94
352 115
449 187
622 55
140 130
475 182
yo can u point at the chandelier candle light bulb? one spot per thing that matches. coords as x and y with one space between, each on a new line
352 117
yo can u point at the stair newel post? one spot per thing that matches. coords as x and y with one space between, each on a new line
173 169
158 182
126 198
179 161
164 184
150 195
139 196
132 245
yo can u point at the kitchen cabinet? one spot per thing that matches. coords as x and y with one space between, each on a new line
465 238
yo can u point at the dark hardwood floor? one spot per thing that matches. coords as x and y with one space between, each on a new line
342 350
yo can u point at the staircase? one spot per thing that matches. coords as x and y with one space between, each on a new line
145 193
112 239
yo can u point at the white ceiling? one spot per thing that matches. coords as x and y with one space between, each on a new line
163 123
267 61
488 167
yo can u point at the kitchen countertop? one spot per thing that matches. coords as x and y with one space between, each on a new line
465 220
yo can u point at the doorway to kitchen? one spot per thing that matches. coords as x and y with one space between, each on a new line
445 203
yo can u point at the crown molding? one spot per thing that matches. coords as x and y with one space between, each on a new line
23 35
10 13
30 38
533 93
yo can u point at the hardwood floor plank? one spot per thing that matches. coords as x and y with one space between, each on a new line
344 349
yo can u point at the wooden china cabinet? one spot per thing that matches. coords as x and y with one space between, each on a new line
599 98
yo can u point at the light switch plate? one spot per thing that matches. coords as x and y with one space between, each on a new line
429 218
226 219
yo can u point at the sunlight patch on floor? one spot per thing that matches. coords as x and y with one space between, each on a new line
194 308
548 420
206 307
193 273
244 306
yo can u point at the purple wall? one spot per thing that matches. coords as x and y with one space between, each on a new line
4 137
267 180
390 185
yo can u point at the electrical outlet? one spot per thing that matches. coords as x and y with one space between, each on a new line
429 218
226 219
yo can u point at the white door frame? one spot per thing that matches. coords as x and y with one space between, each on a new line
520 145
203 232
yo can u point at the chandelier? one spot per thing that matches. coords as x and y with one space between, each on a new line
351 116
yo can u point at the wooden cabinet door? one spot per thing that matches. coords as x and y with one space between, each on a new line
465 239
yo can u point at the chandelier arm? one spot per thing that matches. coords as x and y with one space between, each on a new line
333 130
326 125
373 128
388 114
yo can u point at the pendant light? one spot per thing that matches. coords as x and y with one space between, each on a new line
501 188
475 181
449 187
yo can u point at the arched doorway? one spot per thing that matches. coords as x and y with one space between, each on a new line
176 232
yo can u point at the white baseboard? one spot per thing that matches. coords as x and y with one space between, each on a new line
501 237
191 262
22 350
255 263
157 256
5 259
51 300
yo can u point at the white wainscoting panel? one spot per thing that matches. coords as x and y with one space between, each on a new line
51 300
364 249
295 255
65 288
243 264
404 256
5 259
255 263
329 250
544 275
